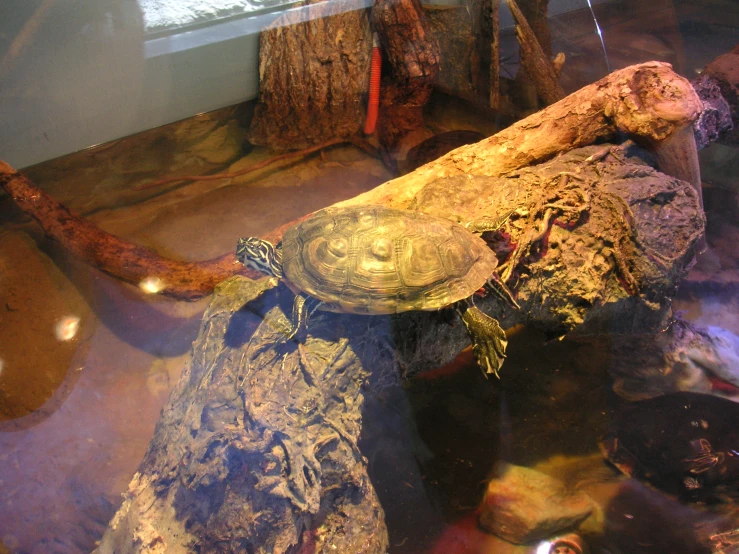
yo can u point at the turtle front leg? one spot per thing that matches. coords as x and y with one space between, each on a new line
482 225
488 338
303 308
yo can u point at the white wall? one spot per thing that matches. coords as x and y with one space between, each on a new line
75 73
87 75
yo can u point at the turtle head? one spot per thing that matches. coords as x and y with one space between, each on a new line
261 255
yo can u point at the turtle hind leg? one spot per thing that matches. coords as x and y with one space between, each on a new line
303 308
488 338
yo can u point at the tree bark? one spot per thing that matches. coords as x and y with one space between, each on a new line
314 67
536 13
453 28
494 53
413 58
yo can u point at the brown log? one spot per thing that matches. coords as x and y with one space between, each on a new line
535 62
536 13
410 49
313 77
413 58
458 61
648 101
113 255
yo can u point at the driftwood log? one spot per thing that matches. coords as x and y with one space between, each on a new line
314 67
256 450
648 102
126 261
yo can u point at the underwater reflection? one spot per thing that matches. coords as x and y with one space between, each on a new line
67 328
152 285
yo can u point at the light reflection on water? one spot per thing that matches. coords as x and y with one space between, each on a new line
67 327
65 465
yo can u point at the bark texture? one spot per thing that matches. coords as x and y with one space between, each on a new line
494 8
536 61
458 61
314 67
413 63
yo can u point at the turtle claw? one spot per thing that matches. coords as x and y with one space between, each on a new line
489 356
488 338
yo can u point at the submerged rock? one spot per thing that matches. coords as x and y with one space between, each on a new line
642 520
720 356
524 505
682 358
684 443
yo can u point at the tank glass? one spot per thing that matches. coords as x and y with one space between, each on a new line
514 329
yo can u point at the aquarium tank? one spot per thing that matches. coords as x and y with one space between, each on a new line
369 276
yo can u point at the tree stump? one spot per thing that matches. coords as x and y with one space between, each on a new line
314 68
412 54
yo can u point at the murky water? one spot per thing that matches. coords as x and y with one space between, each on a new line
87 363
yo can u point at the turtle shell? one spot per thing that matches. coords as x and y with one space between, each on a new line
376 260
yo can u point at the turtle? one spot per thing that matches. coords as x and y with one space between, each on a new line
376 260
